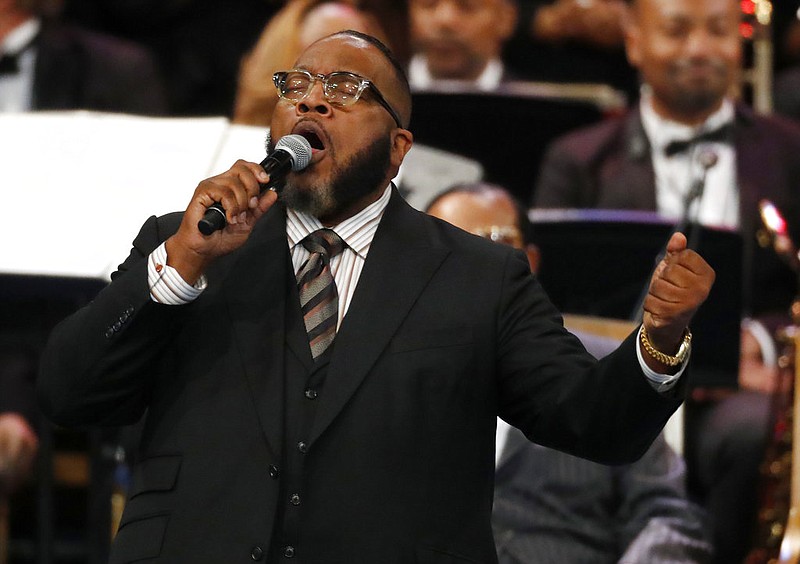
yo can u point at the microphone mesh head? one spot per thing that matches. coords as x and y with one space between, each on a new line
298 147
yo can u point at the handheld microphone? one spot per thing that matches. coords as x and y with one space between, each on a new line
292 153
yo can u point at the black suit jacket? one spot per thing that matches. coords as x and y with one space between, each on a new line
444 332
78 69
609 166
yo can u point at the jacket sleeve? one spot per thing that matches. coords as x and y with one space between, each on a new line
97 367
558 394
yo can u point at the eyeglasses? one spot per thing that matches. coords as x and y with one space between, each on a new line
340 88
505 234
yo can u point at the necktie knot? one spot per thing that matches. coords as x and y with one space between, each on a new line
9 64
720 135
325 242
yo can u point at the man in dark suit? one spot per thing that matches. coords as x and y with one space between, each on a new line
50 66
553 507
688 53
264 437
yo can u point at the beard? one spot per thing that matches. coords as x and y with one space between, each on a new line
692 99
349 182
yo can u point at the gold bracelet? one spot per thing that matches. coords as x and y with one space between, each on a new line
665 359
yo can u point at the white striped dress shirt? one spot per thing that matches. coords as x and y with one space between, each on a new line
358 231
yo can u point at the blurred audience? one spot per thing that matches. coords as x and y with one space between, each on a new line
47 65
460 41
553 507
689 54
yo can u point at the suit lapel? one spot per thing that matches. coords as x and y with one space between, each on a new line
256 291
384 295
635 167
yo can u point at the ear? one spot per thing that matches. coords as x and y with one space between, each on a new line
402 139
534 257
633 35
507 20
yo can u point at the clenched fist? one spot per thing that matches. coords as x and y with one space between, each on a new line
680 284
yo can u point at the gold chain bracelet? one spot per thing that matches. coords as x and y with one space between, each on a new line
665 359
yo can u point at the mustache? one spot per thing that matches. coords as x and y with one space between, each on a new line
716 65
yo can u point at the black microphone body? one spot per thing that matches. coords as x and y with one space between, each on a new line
291 153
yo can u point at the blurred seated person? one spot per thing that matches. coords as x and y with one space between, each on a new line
553 507
197 44
689 55
459 42
45 65
425 170
572 41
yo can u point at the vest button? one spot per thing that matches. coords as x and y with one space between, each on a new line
311 394
288 551
273 472
257 553
302 447
295 499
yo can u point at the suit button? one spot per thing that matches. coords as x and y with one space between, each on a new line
273 472
295 499
257 553
109 333
311 394
117 326
288 551
124 317
302 447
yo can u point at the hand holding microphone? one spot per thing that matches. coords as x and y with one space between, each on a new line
292 153
231 203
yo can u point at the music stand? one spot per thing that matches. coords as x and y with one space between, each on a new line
506 131
596 263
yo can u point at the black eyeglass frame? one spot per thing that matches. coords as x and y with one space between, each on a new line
279 78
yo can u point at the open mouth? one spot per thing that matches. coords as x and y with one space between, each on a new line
312 134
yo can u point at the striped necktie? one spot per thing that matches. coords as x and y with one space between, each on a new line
319 300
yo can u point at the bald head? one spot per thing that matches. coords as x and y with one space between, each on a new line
394 87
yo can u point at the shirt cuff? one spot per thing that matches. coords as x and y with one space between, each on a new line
166 285
660 382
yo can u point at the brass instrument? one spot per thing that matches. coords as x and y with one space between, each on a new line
757 31
778 526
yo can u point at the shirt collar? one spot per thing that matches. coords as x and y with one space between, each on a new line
20 37
357 231
421 79
661 131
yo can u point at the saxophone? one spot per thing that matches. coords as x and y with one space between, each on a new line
778 519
